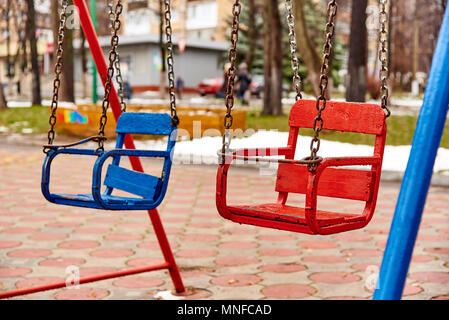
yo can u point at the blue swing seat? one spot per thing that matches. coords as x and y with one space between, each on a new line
148 189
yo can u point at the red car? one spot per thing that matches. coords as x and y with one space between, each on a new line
210 86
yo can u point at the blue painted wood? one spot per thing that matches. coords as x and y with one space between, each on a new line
116 160
145 123
134 182
120 178
87 201
418 174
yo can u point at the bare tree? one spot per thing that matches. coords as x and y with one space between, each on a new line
358 49
163 72
272 59
252 33
67 75
306 46
429 15
84 65
3 103
35 70
68 81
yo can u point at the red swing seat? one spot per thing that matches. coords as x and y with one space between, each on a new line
327 180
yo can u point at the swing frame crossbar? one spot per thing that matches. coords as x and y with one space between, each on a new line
170 263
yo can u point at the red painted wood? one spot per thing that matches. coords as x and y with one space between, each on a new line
100 62
293 214
340 116
263 152
326 180
95 278
336 183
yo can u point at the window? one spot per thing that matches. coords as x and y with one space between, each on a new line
138 22
202 15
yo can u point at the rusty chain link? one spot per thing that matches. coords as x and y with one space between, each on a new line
383 56
170 63
110 74
297 82
118 70
324 79
231 73
58 70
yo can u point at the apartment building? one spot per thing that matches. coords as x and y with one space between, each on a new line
191 19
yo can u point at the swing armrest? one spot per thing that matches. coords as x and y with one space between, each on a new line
313 182
117 154
256 154
46 168
264 152
268 152
54 152
351 161
86 152
50 147
136 153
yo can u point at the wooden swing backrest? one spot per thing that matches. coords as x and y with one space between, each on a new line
145 123
338 116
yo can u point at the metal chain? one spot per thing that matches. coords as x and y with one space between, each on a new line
58 70
297 82
118 70
383 56
170 63
108 85
324 79
231 73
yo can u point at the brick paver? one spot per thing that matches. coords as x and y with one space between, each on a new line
217 259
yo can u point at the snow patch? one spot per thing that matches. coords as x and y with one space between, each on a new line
204 150
166 295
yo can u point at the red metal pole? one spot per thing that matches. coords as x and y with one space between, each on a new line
97 53
102 67
170 263
95 278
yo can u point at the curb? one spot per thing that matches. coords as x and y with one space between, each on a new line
438 180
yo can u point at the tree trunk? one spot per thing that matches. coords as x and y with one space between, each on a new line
67 92
55 26
9 65
356 80
162 51
276 56
67 82
84 66
306 47
3 104
35 69
267 70
272 59
252 34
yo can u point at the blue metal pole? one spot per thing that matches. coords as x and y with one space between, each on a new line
415 185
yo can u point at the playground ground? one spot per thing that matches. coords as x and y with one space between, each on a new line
221 260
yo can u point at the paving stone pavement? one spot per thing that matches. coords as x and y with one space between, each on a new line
217 258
